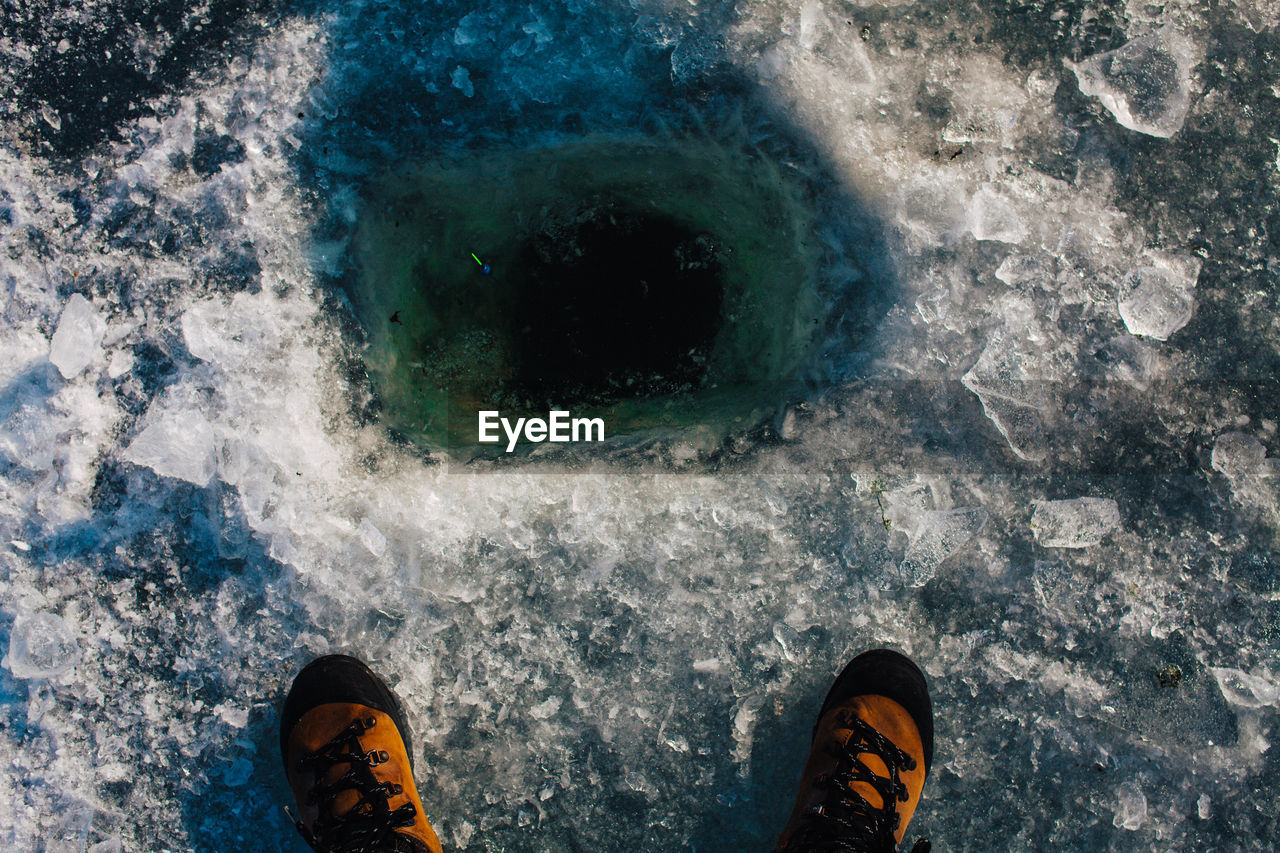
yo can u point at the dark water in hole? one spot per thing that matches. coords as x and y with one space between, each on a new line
622 303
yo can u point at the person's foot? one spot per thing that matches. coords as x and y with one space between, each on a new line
347 756
872 749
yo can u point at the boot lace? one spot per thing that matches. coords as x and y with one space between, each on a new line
370 823
846 821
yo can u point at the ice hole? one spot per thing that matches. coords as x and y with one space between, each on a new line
655 284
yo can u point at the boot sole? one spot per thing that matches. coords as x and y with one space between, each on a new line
884 672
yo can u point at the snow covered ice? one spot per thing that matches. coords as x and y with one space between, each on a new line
1040 456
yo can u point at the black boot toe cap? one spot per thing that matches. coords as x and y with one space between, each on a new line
339 679
884 672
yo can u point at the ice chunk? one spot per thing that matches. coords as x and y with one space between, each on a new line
1006 380
178 444
1025 271
1075 523
1243 690
461 79
1157 300
1132 811
933 306
1237 456
1057 587
228 333
41 645
993 217
199 333
547 709
933 209
1129 360
39 701
372 538
462 833
1023 428
233 716
788 638
120 364
985 102
744 727
940 534
1254 479
71 833
78 337
473 28
1007 369
1146 83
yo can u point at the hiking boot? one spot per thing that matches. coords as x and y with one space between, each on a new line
348 757
872 749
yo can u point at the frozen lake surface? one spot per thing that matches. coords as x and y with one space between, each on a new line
1045 465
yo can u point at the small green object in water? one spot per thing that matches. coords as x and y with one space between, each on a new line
1169 676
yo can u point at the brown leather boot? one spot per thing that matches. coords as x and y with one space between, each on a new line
347 755
872 749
